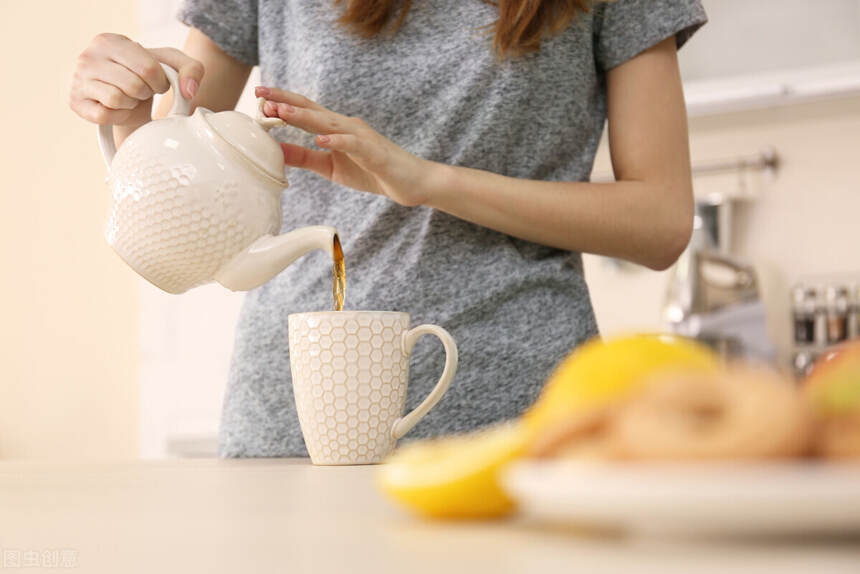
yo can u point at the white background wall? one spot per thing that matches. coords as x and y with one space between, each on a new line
753 36
68 308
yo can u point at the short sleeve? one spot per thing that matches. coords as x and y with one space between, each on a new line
625 28
231 24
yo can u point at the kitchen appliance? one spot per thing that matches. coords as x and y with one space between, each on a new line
196 197
714 296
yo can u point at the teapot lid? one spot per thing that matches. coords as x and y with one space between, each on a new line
250 137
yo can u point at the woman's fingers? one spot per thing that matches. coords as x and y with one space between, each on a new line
142 62
358 156
336 167
130 83
93 111
304 113
115 78
277 95
346 143
190 70
313 121
316 161
109 96
358 145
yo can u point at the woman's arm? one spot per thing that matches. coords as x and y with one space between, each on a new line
645 217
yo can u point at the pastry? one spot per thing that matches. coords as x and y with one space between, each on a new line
739 413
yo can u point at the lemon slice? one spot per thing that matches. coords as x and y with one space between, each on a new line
459 477
454 477
603 373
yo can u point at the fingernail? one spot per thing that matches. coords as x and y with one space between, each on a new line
191 86
323 139
269 108
286 108
263 91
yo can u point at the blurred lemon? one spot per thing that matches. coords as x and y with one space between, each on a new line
458 477
601 373
455 477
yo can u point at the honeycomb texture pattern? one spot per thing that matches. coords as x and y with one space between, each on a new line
176 227
349 380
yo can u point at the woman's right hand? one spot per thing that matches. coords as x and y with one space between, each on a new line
115 79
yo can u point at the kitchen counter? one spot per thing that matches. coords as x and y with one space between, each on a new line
285 515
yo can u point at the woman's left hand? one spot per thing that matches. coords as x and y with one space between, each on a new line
359 157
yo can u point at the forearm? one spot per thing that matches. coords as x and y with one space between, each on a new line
628 219
645 217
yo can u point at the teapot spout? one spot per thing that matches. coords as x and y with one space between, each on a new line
271 254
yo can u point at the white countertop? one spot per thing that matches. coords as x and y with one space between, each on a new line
285 515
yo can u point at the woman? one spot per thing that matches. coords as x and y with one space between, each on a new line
450 142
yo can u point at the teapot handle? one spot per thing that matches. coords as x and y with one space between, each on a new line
181 107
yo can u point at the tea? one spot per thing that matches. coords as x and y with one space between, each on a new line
338 272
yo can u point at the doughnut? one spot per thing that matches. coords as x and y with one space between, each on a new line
578 436
838 436
741 413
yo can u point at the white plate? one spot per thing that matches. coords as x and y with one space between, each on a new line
711 498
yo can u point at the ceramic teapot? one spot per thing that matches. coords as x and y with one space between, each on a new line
197 197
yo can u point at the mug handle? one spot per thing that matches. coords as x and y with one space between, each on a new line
181 107
405 423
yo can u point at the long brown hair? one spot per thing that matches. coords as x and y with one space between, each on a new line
521 26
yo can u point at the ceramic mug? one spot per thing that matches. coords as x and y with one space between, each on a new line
350 372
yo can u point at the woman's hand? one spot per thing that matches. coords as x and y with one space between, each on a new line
359 157
115 79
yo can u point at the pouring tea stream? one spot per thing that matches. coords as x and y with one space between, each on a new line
196 198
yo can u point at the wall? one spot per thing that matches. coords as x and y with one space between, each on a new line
186 341
803 224
754 36
68 341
